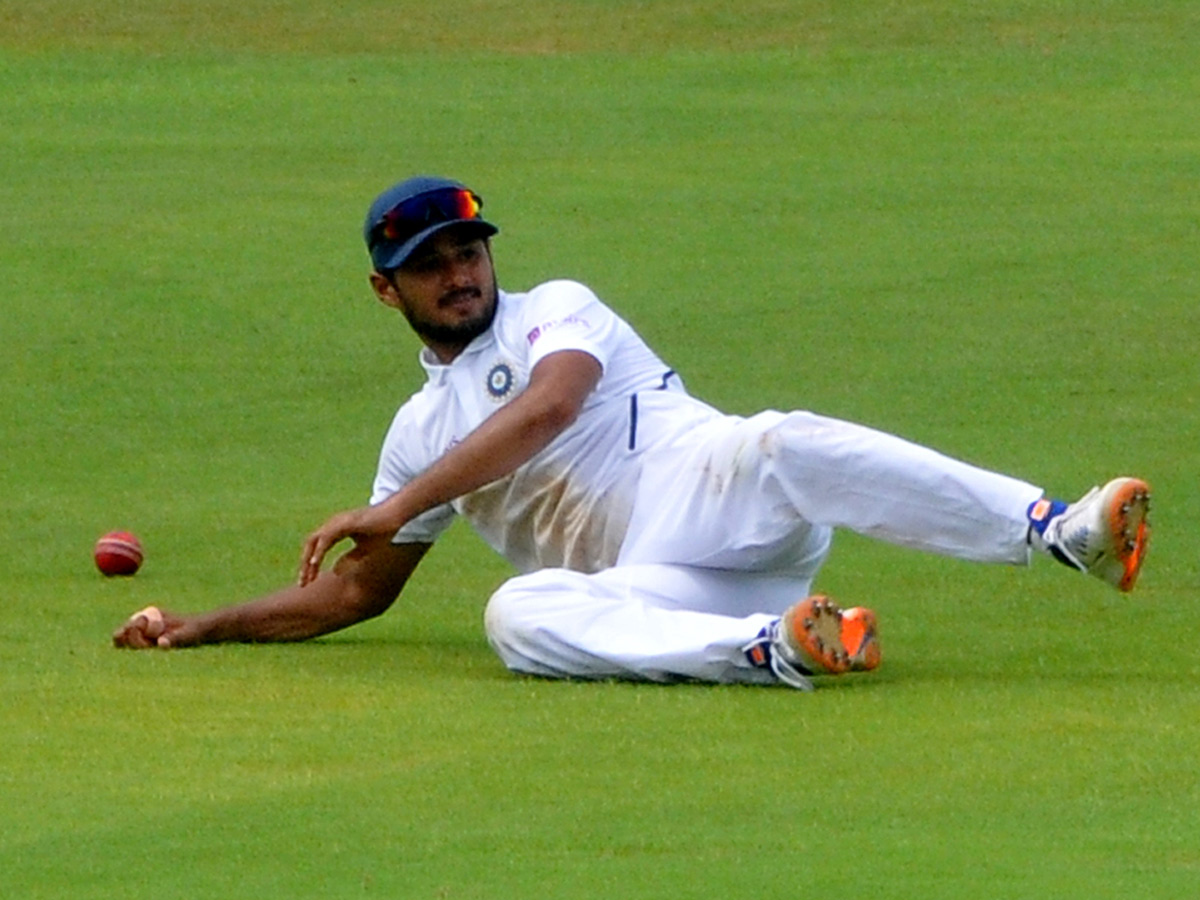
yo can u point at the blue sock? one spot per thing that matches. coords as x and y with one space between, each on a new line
1040 513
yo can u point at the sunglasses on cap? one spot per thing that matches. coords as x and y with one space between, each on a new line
410 217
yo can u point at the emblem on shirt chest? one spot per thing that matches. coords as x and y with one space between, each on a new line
500 382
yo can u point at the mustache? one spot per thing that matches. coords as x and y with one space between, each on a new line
450 297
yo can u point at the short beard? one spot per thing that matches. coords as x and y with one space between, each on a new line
454 335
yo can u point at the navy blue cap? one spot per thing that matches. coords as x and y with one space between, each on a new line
392 233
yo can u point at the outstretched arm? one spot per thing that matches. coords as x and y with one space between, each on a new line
558 386
361 585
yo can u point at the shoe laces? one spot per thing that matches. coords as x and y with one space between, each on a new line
764 652
1068 534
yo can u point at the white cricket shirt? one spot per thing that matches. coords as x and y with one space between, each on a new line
570 505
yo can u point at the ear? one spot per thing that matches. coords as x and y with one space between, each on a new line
384 290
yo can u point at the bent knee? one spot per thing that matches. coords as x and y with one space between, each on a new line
501 612
510 621
523 616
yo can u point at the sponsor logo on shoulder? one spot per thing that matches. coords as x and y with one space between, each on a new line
539 330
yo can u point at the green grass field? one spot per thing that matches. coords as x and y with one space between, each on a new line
975 225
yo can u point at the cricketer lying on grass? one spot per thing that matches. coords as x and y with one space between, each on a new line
657 538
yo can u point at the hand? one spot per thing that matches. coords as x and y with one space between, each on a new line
151 627
355 523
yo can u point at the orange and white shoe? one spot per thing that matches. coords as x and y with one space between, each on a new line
819 635
1104 533
816 637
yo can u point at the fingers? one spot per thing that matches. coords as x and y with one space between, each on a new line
315 549
358 524
151 627
319 543
141 631
130 637
311 556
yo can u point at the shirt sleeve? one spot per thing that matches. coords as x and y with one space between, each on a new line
566 315
398 465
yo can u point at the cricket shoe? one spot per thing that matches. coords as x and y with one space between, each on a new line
1103 533
816 637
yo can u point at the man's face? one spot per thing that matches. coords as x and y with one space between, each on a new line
446 289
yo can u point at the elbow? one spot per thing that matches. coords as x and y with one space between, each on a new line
367 580
359 598
363 601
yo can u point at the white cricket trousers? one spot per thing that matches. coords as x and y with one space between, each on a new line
730 527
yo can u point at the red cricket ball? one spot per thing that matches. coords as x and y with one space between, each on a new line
118 553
